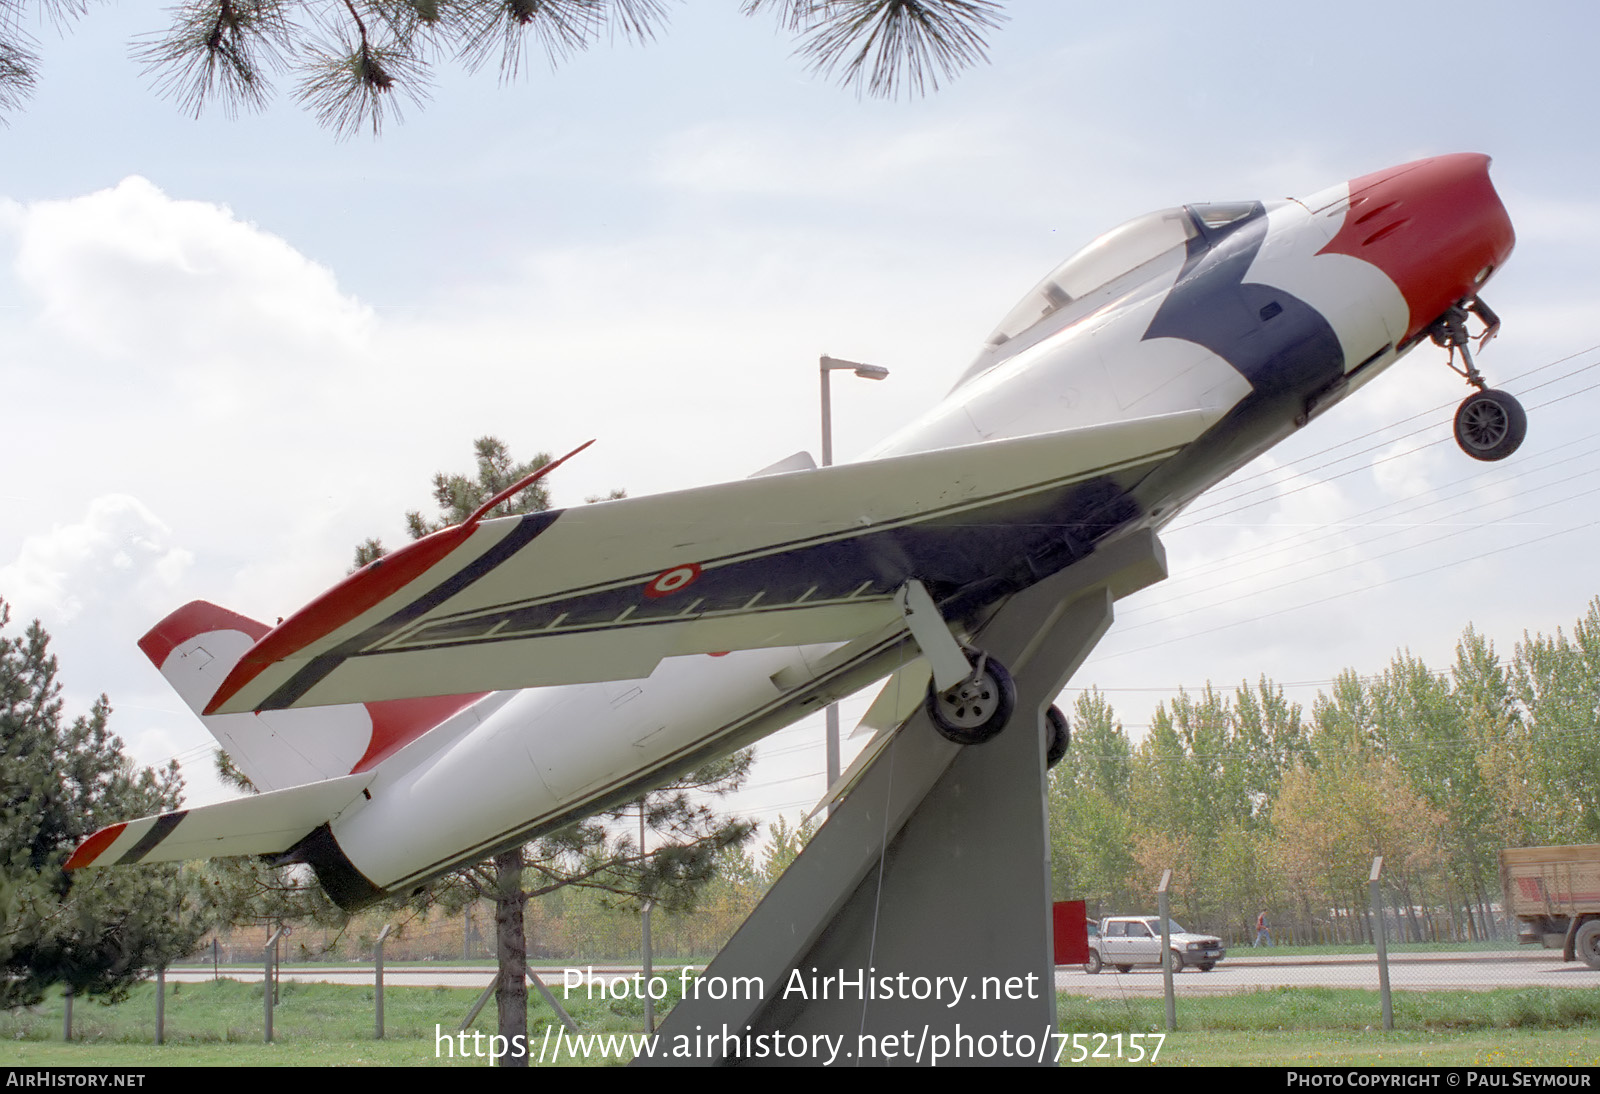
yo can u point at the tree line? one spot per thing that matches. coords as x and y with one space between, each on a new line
1257 804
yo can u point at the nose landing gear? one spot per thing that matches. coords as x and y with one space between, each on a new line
1490 424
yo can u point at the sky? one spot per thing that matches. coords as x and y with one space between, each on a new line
233 348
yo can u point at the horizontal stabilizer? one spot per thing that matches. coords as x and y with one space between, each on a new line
264 824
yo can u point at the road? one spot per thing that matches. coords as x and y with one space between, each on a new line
1471 971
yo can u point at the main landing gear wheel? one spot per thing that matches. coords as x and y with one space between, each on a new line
1490 425
976 709
1058 736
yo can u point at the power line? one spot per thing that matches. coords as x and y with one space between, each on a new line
1239 481
1364 560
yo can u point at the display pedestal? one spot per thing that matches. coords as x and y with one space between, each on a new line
915 926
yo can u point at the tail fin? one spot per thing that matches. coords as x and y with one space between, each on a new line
198 645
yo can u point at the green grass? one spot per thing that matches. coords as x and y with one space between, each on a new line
1346 1009
1549 1027
1402 1048
220 1024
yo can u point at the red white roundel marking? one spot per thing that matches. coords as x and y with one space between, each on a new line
670 581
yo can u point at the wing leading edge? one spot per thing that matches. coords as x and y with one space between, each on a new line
606 591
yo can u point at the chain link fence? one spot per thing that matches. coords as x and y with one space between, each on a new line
582 934
1387 963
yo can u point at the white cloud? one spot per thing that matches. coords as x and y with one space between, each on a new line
120 552
97 583
132 273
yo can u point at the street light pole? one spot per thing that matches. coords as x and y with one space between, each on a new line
825 366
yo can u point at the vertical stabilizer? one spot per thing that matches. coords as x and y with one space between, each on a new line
197 646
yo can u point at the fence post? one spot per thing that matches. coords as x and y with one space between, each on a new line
267 953
1163 906
649 970
161 1005
1378 938
377 972
66 1018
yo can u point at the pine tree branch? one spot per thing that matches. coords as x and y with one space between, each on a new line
380 51
219 49
499 31
351 81
885 46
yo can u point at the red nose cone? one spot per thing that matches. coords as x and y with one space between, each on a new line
1436 227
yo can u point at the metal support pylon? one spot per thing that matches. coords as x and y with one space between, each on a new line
916 923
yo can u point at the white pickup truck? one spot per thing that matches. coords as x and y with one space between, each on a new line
1128 940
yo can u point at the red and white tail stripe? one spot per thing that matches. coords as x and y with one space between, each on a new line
197 646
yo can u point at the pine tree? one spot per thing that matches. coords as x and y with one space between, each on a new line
96 932
600 853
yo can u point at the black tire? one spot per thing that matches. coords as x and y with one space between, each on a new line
1587 943
1490 425
1124 968
1058 737
1177 962
1094 964
970 714
1207 966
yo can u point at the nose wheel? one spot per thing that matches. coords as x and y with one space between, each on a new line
1490 424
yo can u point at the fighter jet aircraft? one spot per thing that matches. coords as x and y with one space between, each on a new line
503 677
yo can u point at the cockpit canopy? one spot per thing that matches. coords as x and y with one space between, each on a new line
1120 251
1107 269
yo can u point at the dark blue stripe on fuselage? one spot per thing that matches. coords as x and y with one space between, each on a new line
1276 340
1283 346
